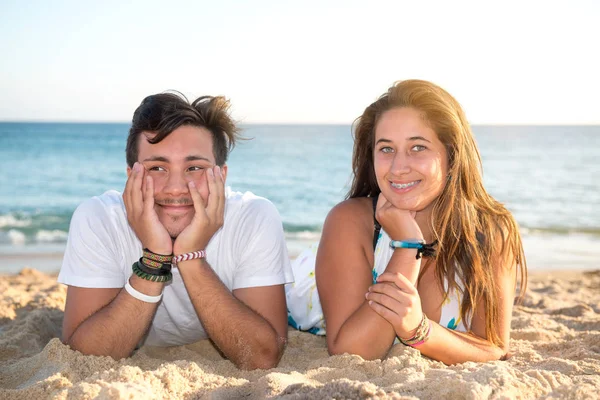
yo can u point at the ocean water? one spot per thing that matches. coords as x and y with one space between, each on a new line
548 176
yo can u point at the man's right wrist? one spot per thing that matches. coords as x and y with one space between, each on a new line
147 287
160 250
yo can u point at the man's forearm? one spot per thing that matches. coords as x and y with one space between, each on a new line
244 337
116 329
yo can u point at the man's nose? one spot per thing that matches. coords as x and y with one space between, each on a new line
176 185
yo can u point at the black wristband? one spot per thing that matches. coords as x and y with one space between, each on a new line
150 274
427 250
163 270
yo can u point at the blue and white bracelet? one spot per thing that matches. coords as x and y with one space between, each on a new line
423 249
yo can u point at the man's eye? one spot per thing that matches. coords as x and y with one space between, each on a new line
156 168
195 168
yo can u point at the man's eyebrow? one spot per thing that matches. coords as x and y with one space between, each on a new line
157 158
187 159
197 158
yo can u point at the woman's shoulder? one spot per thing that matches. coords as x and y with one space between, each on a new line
348 233
356 212
357 207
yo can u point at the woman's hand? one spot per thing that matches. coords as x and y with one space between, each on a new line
399 224
397 300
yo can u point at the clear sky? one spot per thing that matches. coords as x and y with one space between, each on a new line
300 61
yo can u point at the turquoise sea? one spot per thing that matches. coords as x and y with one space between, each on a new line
548 176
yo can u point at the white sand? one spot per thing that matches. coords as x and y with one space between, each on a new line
555 345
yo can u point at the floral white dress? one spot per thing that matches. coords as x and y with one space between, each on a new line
304 307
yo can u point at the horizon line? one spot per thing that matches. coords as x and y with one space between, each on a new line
301 123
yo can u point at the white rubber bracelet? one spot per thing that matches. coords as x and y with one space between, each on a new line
141 296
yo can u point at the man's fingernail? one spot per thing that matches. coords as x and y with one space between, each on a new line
210 172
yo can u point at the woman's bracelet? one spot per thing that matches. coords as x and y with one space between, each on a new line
423 249
421 335
141 296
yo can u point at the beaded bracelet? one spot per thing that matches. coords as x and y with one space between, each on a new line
423 249
425 338
421 335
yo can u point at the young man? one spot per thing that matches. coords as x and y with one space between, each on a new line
125 288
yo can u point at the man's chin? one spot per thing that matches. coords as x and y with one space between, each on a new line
174 228
174 231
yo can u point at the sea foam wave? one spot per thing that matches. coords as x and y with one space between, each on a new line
9 220
18 238
53 236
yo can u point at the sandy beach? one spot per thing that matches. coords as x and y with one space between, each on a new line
555 355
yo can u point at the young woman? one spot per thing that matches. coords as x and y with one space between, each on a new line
419 253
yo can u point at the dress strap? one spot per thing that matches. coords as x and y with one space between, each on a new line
377 226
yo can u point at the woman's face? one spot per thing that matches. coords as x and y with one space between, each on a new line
411 163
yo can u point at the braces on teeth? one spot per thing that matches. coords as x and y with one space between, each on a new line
403 185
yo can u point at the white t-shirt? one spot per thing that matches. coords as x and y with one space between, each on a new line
248 251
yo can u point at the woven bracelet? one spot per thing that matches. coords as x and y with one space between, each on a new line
157 257
150 274
189 256
155 264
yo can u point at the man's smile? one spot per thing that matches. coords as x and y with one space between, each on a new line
176 208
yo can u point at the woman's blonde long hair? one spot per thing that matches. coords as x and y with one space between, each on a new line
472 228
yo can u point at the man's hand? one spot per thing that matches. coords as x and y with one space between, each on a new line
399 224
208 218
139 203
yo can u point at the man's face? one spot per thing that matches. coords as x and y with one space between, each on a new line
180 158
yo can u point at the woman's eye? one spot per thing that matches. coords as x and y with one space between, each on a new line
418 147
386 149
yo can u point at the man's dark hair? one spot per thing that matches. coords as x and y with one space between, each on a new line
162 113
